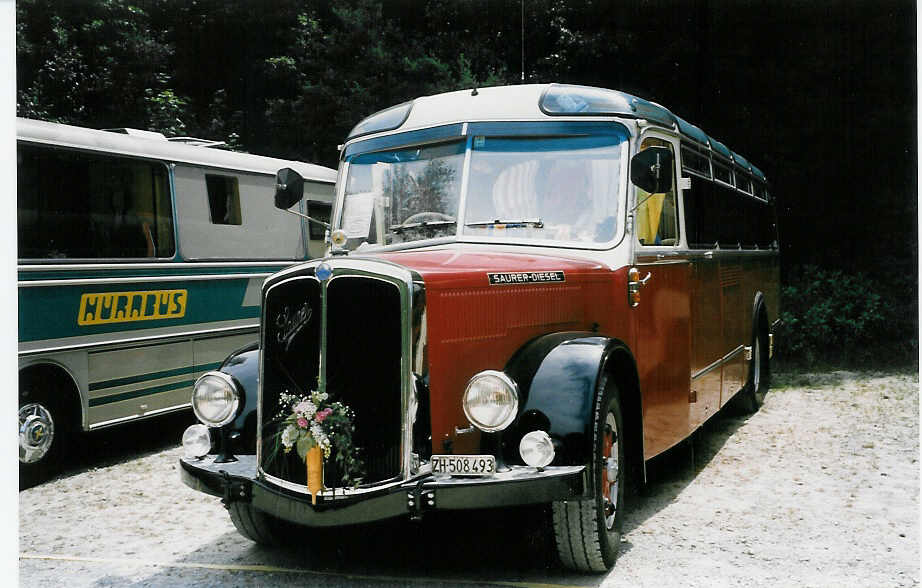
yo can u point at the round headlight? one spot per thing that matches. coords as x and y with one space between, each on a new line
536 449
215 399
491 401
196 441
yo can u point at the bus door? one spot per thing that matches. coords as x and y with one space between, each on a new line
661 314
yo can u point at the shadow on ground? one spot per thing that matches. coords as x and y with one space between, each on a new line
670 472
121 443
489 546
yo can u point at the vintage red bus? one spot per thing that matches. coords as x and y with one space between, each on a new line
531 291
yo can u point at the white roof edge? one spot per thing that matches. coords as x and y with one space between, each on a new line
49 133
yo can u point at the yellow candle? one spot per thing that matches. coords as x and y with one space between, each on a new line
314 462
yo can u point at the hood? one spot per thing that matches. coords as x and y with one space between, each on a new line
451 268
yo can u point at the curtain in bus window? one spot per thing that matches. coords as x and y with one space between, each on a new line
648 217
570 184
605 179
514 193
164 244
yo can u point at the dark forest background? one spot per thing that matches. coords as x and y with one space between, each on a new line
821 95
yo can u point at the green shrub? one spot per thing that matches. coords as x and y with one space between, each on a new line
848 319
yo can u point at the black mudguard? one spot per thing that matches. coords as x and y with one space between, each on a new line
243 366
558 377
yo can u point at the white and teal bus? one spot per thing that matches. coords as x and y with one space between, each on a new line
140 265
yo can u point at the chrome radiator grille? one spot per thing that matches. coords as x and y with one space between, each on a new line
345 335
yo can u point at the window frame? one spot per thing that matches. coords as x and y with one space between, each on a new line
674 143
499 128
168 196
234 213
719 162
312 227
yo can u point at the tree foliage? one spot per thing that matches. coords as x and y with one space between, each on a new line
821 96
89 63
848 319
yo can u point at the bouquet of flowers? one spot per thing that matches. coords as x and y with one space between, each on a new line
318 430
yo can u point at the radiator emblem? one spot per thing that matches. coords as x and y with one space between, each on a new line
323 272
289 323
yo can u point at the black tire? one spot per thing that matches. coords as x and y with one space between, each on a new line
753 394
258 526
43 424
588 532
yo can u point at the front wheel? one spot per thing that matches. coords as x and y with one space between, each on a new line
588 532
258 526
41 428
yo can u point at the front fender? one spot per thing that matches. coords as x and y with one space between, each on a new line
243 366
558 378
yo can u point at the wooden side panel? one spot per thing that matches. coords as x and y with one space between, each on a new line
663 353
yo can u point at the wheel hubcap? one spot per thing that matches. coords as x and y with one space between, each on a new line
610 471
36 432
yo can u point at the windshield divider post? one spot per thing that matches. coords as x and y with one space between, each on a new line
465 178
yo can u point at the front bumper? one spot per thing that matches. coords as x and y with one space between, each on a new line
520 485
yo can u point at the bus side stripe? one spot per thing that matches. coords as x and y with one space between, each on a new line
139 393
152 376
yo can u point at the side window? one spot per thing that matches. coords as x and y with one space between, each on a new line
321 212
716 215
319 199
695 162
656 220
77 205
743 183
722 173
223 199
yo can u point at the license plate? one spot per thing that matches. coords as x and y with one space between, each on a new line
464 465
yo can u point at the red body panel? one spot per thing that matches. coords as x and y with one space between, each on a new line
692 313
473 326
662 352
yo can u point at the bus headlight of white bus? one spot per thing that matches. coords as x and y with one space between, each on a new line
215 399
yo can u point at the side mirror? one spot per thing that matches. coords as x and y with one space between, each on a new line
289 188
651 170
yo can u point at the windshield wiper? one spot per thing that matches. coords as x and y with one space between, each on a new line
422 225
510 224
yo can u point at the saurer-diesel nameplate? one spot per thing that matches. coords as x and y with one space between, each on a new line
510 278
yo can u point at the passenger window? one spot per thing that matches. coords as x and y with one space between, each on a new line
223 199
76 205
722 173
321 212
655 218
695 162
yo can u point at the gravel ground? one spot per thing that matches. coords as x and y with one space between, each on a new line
819 488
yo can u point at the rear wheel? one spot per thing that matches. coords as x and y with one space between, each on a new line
753 395
588 532
42 424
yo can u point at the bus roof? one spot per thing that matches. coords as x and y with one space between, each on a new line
531 102
149 145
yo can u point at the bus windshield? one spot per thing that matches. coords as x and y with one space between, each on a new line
562 189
